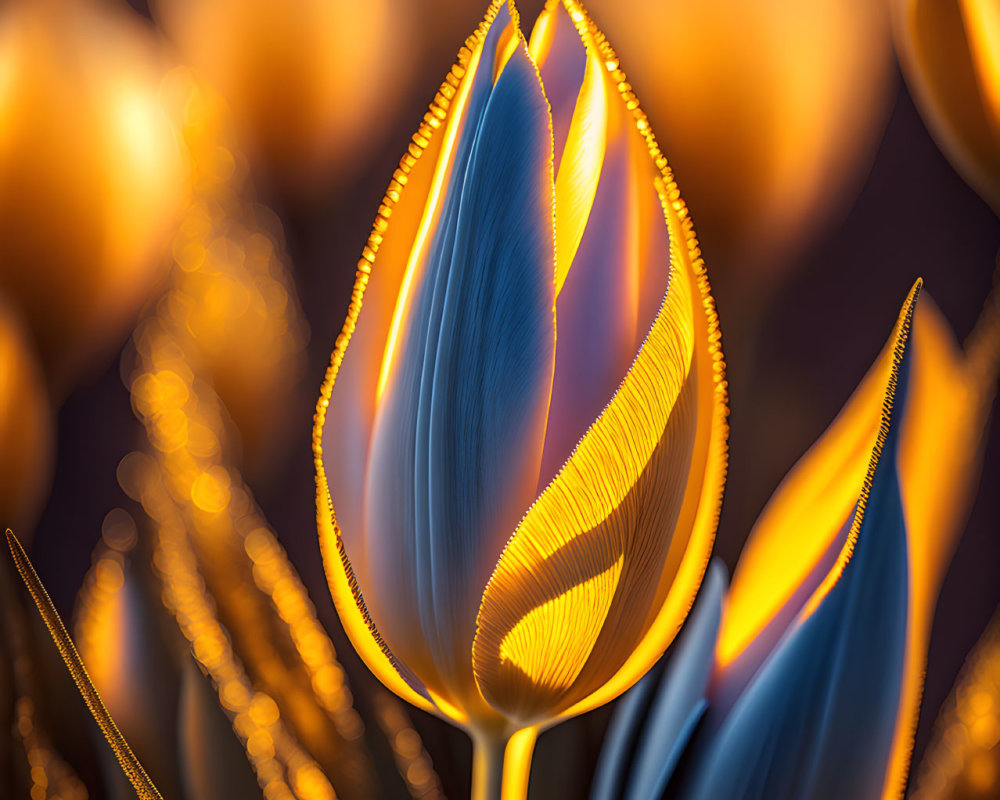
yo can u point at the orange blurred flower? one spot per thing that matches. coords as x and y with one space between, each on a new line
950 53
307 80
90 175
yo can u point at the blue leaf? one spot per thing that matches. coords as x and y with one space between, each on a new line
817 720
655 719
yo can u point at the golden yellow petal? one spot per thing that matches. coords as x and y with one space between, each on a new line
804 516
622 534
580 166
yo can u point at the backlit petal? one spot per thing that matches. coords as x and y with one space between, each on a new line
458 436
606 211
345 416
949 402
796 540
838 670
604 566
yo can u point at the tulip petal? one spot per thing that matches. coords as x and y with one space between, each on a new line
581 163
605 210
458 435
941 453
561 58
793 732
655 719
791 544
605 564
346 409
804 526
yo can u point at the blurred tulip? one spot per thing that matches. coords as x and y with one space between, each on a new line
521 524
148 678
814 684
143 786
771 111
26 429
950 53
963 761
307 80
89 175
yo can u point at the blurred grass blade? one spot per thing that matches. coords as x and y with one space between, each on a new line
130 764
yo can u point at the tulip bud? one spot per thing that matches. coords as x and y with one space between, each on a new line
523 428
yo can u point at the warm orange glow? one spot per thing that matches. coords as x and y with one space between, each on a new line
982 25
412 760
771 113
25 428
307 80
228 331
949 55
50 775
964 758
112 188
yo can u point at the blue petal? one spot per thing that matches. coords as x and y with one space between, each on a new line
817 720
654 721
460 430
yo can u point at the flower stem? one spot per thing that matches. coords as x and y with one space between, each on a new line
501 766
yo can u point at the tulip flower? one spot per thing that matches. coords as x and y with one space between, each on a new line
520 443
950 54
805 680
307 80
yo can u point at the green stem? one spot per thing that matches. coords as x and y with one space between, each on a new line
501 766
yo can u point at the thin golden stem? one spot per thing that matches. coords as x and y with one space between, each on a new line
487 767
517 764
130 764
501 766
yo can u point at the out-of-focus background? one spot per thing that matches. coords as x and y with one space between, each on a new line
185 190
